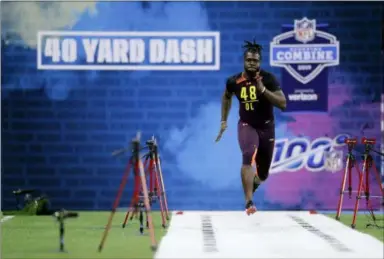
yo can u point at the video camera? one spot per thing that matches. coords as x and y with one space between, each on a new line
31 203
63 214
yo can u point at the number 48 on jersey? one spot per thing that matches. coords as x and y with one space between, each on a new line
248 96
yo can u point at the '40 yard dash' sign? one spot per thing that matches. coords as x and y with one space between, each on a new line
304 51
90 50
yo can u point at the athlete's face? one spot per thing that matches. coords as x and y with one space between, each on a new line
251 62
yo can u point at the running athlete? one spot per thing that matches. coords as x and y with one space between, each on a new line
258 92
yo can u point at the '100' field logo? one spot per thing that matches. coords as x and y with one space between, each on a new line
304 51
300 153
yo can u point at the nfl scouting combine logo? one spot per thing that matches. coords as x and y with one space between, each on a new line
304 51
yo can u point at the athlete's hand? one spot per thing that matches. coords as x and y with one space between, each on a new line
223 127
259 81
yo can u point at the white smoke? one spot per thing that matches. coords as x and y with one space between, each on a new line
198 156
22 20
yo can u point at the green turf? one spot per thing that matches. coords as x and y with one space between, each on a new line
38 237
361 224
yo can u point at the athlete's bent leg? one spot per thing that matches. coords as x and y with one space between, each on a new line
248 141
247 176
264 156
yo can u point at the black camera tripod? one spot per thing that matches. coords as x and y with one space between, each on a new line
61 216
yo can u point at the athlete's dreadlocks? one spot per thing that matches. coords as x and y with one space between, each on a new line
252 47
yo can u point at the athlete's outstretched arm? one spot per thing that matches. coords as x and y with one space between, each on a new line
226 104
277 98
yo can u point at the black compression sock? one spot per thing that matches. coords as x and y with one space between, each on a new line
249 204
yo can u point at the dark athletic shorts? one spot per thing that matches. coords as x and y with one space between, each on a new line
257 146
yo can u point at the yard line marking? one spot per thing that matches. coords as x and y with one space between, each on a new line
6 218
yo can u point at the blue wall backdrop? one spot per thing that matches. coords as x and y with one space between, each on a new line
60 127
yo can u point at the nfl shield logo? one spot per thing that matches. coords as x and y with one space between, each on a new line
296 50
305 30
333 160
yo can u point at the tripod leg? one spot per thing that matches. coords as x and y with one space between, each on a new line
367 182
136 202
132 205
146 219
135 213
115 204
371 210
150 171
126 217
146 163
377 175
147 172
147 205
368 203
141 219
340 205
163 193
62 231
358 196
350 165
161 200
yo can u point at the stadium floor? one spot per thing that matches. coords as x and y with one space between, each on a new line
197 234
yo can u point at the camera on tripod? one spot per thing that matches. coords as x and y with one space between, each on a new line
60 217
32 202
150 143
63 214
351 143
148 186
368 141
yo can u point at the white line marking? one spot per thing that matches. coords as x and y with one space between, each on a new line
266 234
6 218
